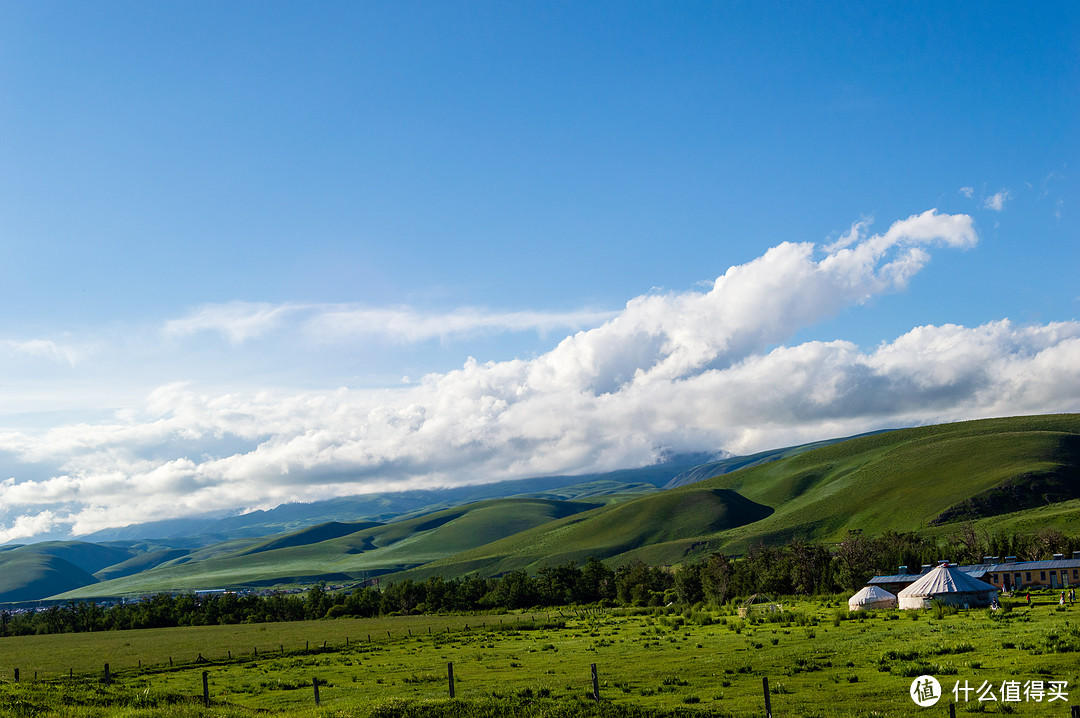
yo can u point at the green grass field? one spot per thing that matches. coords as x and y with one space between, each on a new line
651 662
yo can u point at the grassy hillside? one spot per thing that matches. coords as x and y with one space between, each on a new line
89 557
394 506
911 479
37 570
306 537
29 576
140 563
369 551
609 532
734 463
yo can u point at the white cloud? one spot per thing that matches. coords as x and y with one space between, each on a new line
29 525
409 325
996 202
696 370
50 350
240 322
968 192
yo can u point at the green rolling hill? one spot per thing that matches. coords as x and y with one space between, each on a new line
140 563
343 552
611 532
912 479
88 557
734 463
30 576
905 480
1019 473
381 508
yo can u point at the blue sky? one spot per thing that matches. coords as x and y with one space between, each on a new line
259 252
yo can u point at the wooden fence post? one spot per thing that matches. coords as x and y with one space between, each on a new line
450 677
595 685
315 685
1076 712
206 688
768 704
16 675
108 676
952 710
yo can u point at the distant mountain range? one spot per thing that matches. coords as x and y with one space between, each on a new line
396 506
1020 473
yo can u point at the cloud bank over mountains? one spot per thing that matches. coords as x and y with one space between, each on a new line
699 370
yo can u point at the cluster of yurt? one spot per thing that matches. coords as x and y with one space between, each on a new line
945 583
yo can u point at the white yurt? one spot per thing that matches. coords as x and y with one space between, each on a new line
871 597
949 585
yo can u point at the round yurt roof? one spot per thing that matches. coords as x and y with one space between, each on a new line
945 579
871 594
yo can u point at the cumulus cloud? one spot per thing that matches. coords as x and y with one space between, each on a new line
29 525
679 371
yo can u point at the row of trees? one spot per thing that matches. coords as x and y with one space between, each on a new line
552 586
801 568
796 567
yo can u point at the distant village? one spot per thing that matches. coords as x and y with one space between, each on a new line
976 585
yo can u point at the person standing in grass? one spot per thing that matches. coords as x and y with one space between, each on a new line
1029 598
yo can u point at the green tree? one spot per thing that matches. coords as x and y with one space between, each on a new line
716 573
688 583
597 582
317 602
401 597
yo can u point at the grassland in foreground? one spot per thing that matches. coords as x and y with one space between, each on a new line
651 662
